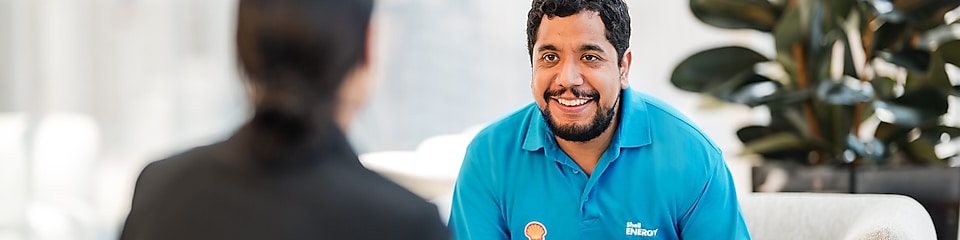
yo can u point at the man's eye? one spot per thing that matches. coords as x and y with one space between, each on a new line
590 58
550 57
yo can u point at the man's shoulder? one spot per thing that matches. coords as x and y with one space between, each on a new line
657 109
667 120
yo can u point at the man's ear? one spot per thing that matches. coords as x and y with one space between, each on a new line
625 69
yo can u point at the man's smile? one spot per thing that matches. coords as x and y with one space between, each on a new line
572 102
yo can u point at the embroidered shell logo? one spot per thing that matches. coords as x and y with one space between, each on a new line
535 231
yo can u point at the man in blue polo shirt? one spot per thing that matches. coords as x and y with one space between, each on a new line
592 158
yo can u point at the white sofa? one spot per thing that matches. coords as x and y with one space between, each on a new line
431 170
835 216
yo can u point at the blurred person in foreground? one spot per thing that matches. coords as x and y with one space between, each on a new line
289 173
592 158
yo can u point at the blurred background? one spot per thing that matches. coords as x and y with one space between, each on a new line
93 90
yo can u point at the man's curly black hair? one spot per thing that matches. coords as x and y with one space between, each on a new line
613 13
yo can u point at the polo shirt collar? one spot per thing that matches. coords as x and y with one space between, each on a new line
635 125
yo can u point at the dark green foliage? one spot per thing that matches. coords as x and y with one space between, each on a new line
842 64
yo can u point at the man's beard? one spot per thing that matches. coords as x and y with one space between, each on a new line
575 132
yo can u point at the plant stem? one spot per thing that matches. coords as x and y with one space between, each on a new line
803 82
860 107
867 43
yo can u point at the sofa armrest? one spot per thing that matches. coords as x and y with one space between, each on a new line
835 216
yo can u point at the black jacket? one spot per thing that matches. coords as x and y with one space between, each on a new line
254 186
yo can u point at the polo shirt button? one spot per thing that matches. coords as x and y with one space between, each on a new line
575 171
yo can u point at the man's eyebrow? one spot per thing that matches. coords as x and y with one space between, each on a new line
547 47
591 47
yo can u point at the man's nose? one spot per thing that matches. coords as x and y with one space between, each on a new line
570 74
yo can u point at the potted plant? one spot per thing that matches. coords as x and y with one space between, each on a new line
857 87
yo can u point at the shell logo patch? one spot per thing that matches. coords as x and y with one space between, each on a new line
535 231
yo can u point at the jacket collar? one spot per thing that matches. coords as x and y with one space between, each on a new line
257 144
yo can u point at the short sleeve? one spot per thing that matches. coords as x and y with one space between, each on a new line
475 211
716 212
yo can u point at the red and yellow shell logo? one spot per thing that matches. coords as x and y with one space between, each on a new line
535 231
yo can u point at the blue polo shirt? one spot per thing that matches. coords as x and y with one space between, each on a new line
660 178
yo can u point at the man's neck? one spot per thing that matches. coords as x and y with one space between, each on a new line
587 154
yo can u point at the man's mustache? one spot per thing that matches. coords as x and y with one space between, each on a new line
579 93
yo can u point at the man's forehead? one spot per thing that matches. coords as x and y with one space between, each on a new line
582 31
586 12
580 23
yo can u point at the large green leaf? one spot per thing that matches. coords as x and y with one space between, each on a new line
737 14
919 148
888 35
837 11
788 33
915 108
783 145
704 71
922 151
789 30
923 13
950 52
821 53
940 134
834 122
816 27
755 134
872 149
825 65
848 91
932 39
889 132
790 117
787 98
935 76
884 87
753 90
911 59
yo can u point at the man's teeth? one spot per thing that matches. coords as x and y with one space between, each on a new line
572 103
